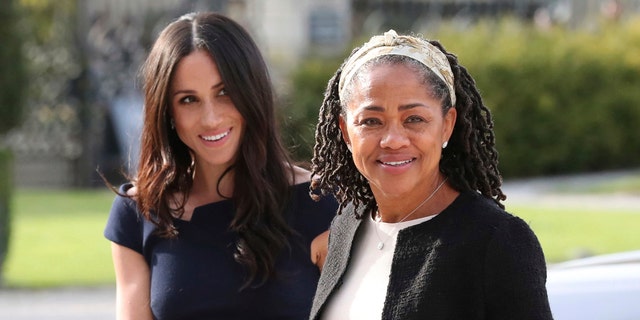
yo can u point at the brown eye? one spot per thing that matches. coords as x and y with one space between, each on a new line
370 122
414 119
187 100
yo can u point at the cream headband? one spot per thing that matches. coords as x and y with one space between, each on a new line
392 44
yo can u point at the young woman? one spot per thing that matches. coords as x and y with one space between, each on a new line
217 223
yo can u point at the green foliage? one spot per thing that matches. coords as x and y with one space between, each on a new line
303 103
12 87
5 196
563 100
12 68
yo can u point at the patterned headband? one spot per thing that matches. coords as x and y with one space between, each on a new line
392 44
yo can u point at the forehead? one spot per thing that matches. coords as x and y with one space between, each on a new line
196 67
408 64
390 88
387 73
385 68
388 80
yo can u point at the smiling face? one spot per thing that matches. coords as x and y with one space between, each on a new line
206 119
395 129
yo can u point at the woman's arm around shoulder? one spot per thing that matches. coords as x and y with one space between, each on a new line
132 284
319 249
320 244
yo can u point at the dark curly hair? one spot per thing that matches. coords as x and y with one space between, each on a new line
470 162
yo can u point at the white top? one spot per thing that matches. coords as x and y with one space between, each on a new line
364 288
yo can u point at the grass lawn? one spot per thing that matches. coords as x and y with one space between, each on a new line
57 235
567 233
57 239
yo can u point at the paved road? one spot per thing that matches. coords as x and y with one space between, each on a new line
568 191
58 304
99 303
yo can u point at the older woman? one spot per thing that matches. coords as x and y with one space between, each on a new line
406 144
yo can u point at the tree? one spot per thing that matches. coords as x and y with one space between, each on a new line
12 85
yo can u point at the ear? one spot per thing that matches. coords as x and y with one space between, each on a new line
343 130
448 124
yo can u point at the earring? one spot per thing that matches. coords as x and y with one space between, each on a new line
349 146
445 144
172 123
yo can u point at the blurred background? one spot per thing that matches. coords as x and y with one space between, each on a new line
561 78
558 75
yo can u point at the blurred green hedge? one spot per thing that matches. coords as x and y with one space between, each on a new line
303 103
6 192
563 101
13 82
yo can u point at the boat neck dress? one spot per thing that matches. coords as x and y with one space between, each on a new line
195 275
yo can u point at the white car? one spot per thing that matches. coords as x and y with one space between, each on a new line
605 287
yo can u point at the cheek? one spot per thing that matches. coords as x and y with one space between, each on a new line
182 135
361 142
181 128
183 117
243 125
232 112
351 135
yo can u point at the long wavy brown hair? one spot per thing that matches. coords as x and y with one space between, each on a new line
470 160
263 167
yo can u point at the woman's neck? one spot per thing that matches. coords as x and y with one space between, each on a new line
399 209
212 184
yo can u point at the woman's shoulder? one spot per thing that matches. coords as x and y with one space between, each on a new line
302 197
124 205
125 223
473 217
301 186
314 211
481 210
300 175
476 203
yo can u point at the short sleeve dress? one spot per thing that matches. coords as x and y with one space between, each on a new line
195 275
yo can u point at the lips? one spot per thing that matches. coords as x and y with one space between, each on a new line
397 163
216 137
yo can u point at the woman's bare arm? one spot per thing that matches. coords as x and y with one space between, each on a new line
132 284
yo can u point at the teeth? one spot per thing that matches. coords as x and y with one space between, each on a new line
397 163
216 137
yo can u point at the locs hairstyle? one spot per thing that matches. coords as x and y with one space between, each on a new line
470 161
262 168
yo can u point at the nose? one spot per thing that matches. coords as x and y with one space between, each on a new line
210 114
394 137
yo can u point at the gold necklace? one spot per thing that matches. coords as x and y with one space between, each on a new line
378 218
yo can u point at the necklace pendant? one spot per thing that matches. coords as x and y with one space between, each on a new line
380 245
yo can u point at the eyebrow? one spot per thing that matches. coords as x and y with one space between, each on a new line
187 91
402 107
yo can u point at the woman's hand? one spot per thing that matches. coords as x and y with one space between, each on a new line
319 248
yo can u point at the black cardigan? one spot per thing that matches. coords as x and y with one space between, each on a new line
472 261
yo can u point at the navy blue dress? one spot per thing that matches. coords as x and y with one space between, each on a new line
195 276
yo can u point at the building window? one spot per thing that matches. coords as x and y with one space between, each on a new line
325 27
